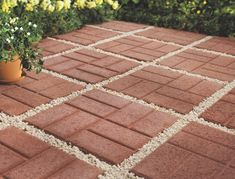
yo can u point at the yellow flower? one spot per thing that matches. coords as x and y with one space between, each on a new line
29 7
198 12
204 2
80 4
115 5
45 4
99 2
5 7
110 2
34 2
51 8
91 4
67 4
59 5
13 3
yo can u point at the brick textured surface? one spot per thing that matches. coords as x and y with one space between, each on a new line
165 88
219 44
223 112
89 66
113 128
24 156
137 48
107 126
86 35
122 26
51 47
196 152
33 91
171 35
206 64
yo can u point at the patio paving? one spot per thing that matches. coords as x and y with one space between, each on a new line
118 97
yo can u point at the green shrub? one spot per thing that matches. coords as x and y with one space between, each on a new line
215 17
60 16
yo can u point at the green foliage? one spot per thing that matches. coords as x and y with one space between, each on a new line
17 36
65 20
211 17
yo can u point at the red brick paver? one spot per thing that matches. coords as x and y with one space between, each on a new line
206 64
165 88
196 152
107 126
122 26
171 35
33 91
89 66
223 112
51 47
24 156
87 35
138 48
219 44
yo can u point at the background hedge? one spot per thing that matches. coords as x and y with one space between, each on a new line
214 17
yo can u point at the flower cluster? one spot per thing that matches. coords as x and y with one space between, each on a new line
16 38
56 5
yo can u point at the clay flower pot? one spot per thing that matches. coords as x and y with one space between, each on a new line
11 71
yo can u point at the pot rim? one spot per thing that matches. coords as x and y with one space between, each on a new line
15 58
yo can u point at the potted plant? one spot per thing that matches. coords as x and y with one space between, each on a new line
17 49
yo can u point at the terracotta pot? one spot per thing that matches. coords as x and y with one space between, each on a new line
11 71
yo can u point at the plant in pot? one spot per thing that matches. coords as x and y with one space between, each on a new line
17 48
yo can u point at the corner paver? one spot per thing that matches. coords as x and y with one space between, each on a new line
219 44
33 91
86 35
89 66
223 112
206 64
104 125
171 35
24 156
138 48
165 88
194 152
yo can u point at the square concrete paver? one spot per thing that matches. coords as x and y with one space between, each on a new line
107 126
51 47
165 88
122 26
138 48
89 66
33 91
223 112
196 152
171 35
206 64
24 156
219 44
87 35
